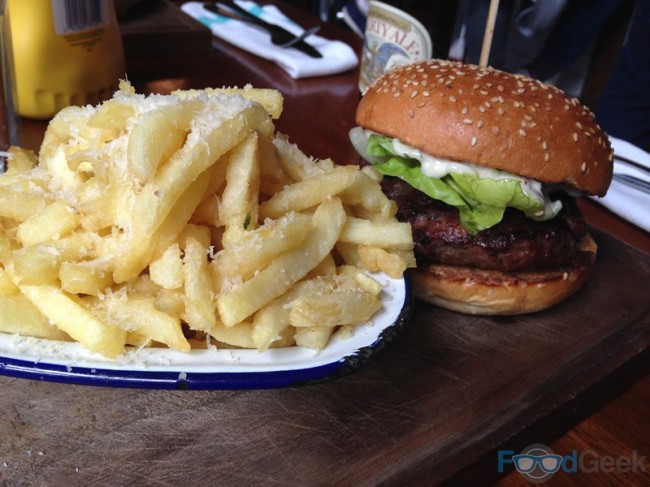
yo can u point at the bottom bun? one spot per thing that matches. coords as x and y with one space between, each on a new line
486 292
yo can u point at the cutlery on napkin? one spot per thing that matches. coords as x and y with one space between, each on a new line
624 198
337 56
278 35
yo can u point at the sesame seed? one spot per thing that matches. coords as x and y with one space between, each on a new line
579 125
464 111
547 157
545 145
480 123
474 141
583 168
452 99
481 109
425 93
501 111
495 130
467 121
522 132
414 93
575 137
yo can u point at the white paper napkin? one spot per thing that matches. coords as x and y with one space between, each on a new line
337 57
626 201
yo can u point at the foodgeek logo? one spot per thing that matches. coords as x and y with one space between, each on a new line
537 463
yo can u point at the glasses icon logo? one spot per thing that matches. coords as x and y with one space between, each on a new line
537 463
548 463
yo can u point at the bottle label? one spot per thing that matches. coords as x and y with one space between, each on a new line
71 16
392 38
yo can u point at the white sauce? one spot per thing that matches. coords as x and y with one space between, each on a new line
436 167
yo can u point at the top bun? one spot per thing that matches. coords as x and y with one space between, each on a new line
491 118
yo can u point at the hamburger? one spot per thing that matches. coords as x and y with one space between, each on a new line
485 165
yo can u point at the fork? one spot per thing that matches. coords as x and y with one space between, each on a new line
633 182
630 162
279 36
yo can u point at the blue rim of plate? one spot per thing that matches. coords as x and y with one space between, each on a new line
382 333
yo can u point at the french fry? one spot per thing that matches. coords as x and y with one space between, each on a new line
38 264
362 279
240 302
238 210
271 100
55 221
367 194
19 316
19 161
7 286
111 118
75 320
200 313
392 263
314 337
339 307
18 205
272 176
139 314
167 270
129 265
171 302
296 163
200 233
239 335
155 201
257 248
271 321
308 193
157 137
392 235
85 277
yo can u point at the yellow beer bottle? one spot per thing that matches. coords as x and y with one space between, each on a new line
66 52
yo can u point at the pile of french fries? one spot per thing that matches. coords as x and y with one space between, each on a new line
186 221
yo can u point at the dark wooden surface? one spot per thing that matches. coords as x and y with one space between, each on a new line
436 406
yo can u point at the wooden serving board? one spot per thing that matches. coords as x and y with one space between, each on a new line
434 406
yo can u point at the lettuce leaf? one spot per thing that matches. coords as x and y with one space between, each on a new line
481 201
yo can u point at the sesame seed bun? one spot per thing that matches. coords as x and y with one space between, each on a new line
491 118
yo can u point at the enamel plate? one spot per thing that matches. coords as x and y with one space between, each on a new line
160 368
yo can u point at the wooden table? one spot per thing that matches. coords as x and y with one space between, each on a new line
435 407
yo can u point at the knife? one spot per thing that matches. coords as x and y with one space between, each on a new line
279 36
